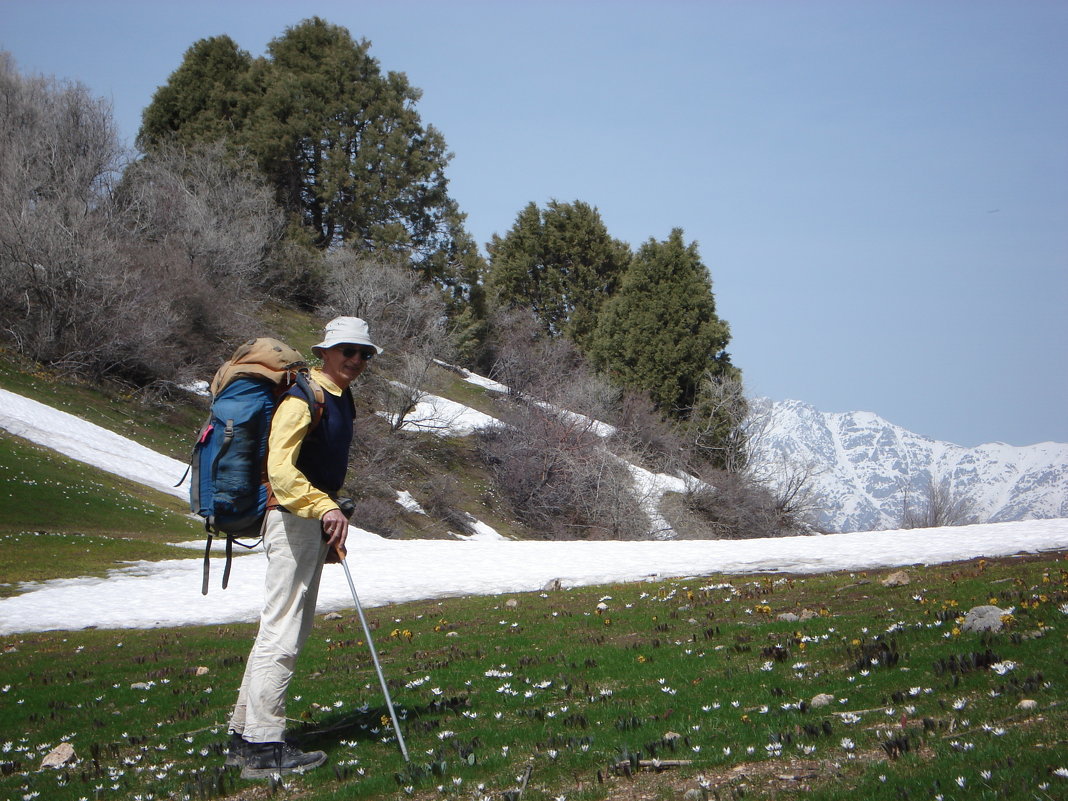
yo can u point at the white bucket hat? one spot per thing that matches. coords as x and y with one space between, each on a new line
345 331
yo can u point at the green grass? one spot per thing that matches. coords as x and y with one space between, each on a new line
700 670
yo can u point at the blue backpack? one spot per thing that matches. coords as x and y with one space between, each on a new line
228 486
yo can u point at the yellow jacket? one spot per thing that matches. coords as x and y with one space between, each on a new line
292 420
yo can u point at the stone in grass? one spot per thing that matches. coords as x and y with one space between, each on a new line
1027 703
899 578
62 754
823 699
797 617
984 618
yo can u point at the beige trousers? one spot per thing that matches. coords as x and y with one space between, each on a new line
295 552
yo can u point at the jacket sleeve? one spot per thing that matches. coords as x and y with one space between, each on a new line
291 488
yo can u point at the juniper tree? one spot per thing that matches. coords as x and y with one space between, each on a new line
207 99
660 332
340 141
561 264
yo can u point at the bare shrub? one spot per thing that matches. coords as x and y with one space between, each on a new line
378 515
559 478
439 495
551 459
377 457
295 272
199 232
645 436
726 505
164 325
527 361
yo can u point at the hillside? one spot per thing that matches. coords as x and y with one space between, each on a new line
166 591
438 486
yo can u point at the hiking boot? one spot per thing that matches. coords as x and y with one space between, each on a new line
267 759
236 751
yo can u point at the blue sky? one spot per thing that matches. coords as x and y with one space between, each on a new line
879 189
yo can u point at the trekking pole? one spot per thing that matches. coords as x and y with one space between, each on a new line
374 657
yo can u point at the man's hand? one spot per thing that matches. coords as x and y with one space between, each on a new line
335 530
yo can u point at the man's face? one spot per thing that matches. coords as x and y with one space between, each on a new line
344 363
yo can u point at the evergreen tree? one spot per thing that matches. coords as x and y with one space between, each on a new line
341 143
205 100
660 332
561 264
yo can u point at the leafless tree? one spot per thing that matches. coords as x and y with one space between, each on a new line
525 359
789 478
200 205
142 279
717 425
551 458
59 156
934 503
408 319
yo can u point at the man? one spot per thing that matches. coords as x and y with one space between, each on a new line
304 526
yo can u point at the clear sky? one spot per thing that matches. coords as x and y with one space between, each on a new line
879 189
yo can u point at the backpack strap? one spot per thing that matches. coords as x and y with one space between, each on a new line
207 565
313 394
229 560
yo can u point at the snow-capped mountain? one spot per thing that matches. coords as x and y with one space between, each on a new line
862 468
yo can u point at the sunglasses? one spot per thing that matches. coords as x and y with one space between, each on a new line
365 353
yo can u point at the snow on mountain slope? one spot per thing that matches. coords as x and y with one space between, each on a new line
863 467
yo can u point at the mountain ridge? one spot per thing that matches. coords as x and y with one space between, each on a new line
862 468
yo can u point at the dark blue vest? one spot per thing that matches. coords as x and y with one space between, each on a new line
324 454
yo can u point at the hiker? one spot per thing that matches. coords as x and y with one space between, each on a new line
304 528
